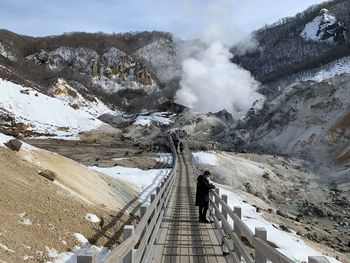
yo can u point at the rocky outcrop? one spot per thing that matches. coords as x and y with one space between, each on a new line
162 56
310 119
329 27
48 175
115 121
14 145
113 70
142 74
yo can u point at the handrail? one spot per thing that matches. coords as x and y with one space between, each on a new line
146 231
231 236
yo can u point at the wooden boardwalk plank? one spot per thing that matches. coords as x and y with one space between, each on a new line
182 238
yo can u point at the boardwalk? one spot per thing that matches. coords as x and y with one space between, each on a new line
169 230
181 237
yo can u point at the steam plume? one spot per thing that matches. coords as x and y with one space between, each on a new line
210 81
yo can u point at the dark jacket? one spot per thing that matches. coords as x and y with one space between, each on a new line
202 193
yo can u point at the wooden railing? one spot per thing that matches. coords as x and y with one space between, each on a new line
138 242
231 236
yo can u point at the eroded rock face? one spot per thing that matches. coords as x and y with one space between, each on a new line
113 70
308 119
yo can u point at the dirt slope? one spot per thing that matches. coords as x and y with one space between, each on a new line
37 214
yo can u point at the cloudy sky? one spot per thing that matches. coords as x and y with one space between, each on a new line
183 17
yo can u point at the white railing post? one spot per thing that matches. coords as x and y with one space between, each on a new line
210 206
143 210
217 191
87 255
153 196
127 232
261 233
318 259
238 211
224 213
158 189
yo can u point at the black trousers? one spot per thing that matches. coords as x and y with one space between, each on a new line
203 211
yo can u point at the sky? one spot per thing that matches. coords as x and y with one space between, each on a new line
184 18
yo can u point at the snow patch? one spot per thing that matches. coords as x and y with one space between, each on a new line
145 181
4 139
51 252
92 218
118 159
327 71
4 247
156 118
311 29
25 258
63 91
71 257
6 53
205 158
165 158
25 221
82 240
320 22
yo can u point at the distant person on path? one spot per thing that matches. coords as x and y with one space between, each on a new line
175 140
181 145
202 195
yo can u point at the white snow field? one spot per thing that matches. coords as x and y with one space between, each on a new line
205 158
288 244
46 114
144 181
154 118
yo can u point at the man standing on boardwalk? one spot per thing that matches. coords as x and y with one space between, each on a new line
202 195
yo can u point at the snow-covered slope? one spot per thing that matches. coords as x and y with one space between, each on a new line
63 91
144 181
326 71
46 115
318 28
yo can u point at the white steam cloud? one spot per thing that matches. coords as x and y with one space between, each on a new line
210 81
